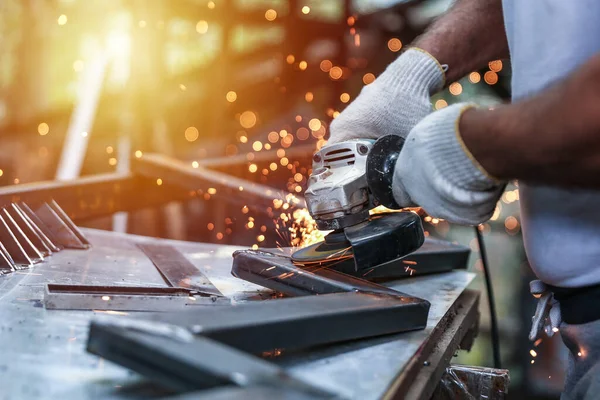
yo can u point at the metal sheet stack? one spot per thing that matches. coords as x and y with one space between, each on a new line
28 236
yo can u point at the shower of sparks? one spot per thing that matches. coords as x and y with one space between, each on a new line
295 228
384 210
533 353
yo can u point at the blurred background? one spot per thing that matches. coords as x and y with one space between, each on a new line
247 87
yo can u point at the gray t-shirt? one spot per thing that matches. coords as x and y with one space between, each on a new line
548 39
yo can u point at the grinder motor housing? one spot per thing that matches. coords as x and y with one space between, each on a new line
348 180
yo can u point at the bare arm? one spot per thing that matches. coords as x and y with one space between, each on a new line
552 138
467 37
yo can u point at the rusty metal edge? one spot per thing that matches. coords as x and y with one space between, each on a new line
418 380
95 196
182 174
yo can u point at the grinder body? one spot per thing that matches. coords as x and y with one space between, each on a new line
338 195
348 180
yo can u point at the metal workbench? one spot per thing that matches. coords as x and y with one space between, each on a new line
42 352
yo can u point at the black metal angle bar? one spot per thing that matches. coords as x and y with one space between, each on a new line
302 322
433 256
279 273
40 227
32 252
12 245
28 230
60 230
65 218
182 364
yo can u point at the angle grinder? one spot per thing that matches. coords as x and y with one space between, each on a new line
348 180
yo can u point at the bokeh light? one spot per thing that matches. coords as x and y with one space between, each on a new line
495 65
231 96
248 119
202 27
455 88
325 65
191 134
490 77
394 44
439 104
302 133
474 77
314 124
270 14
43 129
368 78
335 73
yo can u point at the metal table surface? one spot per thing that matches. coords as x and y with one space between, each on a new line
42 352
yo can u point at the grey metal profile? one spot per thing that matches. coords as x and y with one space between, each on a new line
125 298
210 348
176 270
182 365
61 231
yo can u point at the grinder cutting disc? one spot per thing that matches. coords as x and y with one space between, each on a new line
335 248
381 239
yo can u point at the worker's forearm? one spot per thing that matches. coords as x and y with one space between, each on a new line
552 138
467 37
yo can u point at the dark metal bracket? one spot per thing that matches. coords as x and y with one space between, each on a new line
26 237
204 348
209 347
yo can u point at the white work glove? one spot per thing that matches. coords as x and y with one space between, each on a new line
436 171
395 102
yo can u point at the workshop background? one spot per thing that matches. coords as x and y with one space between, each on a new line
86 85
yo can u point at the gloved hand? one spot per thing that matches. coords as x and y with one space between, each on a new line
436 171
394 102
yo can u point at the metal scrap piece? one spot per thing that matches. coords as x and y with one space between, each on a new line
177 270
61 231
34 254
41 228
65 218
27 228
125 298
12 245
183 366
6 261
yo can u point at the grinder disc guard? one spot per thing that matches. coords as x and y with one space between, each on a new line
381 239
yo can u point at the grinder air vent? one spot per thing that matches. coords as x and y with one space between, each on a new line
339 156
